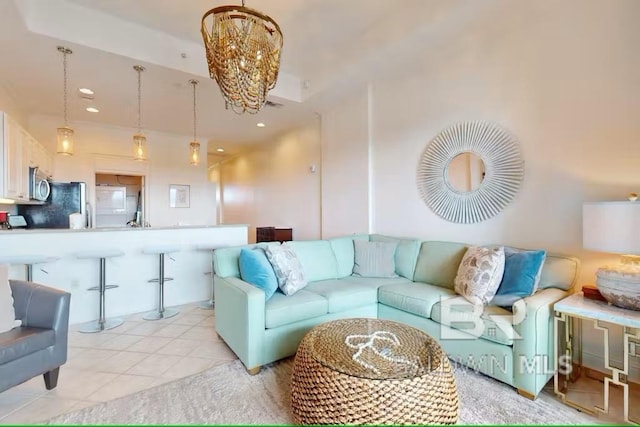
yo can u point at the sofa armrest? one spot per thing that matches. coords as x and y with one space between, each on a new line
240 318
41 306
534 352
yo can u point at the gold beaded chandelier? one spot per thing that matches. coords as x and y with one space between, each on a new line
243 53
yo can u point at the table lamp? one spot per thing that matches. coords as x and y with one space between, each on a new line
615 227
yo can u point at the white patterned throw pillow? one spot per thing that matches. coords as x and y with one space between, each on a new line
287 267
479 274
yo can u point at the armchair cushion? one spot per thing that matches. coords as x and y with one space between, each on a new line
7 312
21 342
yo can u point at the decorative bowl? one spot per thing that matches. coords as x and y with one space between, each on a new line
620 287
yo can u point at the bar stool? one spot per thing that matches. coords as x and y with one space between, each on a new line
209 305
102 324
161 251
29 261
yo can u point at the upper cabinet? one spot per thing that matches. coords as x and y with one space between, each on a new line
20 151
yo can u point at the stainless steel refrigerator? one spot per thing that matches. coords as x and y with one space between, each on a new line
65 198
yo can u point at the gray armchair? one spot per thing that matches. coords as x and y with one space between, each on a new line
39 346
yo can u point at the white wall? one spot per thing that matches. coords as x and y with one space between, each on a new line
9 105
345 168
272 185
101 148
560 75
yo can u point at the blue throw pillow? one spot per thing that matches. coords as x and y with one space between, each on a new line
256 269
522 271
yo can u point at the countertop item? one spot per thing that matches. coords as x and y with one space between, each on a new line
17 221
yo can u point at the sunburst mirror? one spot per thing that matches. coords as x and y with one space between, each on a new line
470 171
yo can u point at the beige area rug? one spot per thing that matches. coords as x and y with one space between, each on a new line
227 395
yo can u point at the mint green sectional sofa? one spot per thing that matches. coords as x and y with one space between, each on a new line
516 348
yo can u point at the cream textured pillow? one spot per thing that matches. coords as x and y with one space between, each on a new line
7 313
374 259
287 267
480 273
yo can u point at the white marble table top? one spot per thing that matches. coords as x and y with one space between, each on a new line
104 253
26 259
579 306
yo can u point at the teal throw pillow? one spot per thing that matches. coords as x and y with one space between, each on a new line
256 269
522 270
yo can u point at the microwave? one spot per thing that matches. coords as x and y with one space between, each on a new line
39 187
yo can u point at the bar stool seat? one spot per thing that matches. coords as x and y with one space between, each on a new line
102 324
161 250
29 260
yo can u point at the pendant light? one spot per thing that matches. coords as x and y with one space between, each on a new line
65 133
194 146
139 140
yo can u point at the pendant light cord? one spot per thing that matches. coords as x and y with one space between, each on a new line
139 99
194 83
64 65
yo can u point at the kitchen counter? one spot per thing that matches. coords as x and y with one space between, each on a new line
100 230
190 266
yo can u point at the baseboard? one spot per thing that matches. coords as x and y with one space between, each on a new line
595 362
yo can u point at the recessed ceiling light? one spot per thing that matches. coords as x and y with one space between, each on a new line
92 110
86 91
220 150
260 125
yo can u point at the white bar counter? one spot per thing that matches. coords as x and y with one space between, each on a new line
190 267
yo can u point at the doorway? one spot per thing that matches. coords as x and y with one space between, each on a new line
119 200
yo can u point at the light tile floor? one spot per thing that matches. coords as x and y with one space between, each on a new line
142 354
138 355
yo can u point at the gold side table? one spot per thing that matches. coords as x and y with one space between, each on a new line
578 308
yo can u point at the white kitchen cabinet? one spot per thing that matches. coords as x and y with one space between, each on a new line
19 152
14 174
46 161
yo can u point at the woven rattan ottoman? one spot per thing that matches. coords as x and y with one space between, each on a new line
371 371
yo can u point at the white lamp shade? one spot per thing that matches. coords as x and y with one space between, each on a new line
611 227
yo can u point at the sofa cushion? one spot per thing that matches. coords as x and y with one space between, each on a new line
438 263
256 269
343 295
344 252
226 260
415 298
480 274
374 259
282 310
317 259
287 268
406 253
522 271
560 272
20 342
461 316
375 282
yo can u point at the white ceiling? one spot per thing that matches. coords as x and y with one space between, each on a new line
330 47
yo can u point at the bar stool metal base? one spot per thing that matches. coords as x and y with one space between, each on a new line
96 326
156 315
